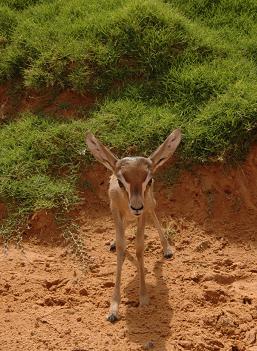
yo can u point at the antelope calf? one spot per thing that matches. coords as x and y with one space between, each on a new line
131 195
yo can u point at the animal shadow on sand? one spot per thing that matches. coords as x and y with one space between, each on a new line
149 326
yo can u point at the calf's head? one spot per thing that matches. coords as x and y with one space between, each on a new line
134 174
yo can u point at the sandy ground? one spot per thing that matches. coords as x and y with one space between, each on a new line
205 298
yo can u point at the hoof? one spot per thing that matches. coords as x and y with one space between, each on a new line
112 318
113 246
168 255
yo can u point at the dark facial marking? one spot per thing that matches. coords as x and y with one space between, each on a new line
121 184
150 182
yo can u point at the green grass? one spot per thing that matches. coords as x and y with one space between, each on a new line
88 45
39 165
157 65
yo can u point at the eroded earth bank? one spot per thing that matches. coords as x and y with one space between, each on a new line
205 298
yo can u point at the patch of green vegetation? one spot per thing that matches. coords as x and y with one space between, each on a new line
7 23
21 4
88 45
39 164
157 65
226 127
221 130
221 14
235 22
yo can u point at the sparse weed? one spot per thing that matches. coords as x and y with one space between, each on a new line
170 232
71 235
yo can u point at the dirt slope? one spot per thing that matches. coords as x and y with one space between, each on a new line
65 104
205 298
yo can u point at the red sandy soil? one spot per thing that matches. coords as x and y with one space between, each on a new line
205 298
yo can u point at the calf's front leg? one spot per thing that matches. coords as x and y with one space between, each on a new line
121 250
143 297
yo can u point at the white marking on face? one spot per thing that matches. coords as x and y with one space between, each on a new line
125 184
144 184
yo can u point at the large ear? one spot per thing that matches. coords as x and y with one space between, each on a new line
101 153
165 150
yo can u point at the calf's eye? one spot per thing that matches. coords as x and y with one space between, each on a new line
150 182
121 184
